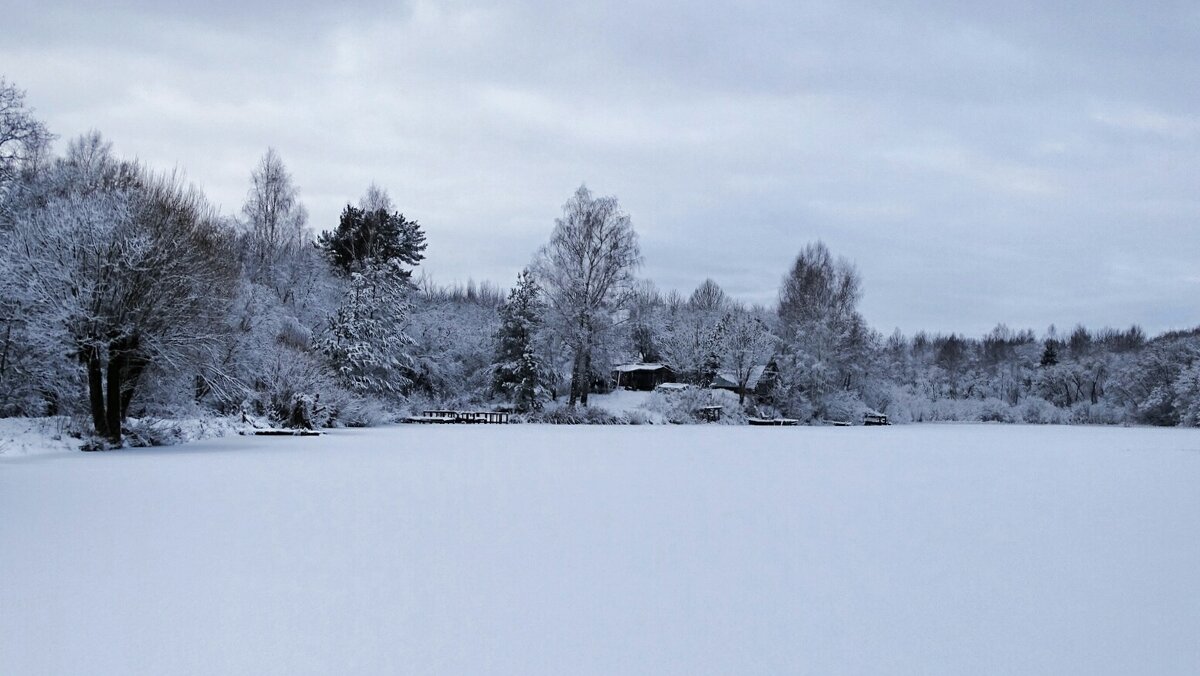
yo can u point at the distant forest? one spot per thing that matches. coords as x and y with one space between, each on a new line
124 293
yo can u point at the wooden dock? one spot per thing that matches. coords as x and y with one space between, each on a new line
460 417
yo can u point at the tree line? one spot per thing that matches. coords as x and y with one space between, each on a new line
124 293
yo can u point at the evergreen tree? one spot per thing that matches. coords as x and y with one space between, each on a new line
366 235
365 340
519 372
1050 354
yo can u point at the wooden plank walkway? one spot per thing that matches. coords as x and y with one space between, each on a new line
460 417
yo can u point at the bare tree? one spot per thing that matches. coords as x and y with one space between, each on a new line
586 271
22 138
746 345
376 199
275 219
708 297
819 288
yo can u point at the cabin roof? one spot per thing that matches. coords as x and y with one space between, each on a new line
629 368
730 380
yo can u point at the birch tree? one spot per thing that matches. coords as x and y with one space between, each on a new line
274 217
22 137
586 271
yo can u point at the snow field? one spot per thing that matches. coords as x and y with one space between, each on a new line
925 549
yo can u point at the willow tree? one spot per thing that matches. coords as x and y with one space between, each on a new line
586 271
124 270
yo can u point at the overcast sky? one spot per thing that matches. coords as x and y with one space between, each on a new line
981 163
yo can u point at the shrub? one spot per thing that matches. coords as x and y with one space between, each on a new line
565 415
1039 411
680 407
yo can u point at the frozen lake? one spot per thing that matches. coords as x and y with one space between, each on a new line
956 549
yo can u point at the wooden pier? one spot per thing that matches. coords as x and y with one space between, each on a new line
460 417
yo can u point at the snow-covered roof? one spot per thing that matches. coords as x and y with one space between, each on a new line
730 380
627 368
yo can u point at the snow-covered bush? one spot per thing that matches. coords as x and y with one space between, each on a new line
992 409
639 417
579 415
682 407
1102 413
140 432
844 406
1040 411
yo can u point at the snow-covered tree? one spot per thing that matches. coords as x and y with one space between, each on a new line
746 344
125 271
276 221
365 339
645 322
826 342
23 139
586 270
709 297
376 234
376 199
519 372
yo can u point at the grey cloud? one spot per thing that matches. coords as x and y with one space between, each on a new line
1022 162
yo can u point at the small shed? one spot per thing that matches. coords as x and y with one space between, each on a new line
644 376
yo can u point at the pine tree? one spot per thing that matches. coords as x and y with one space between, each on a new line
366 235
1050 354
365 339
519 372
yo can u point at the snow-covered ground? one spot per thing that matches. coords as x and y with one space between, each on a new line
619 400
955 549
35 436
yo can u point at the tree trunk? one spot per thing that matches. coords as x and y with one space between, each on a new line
585 379
575 364
116 371
7 343
134 367
96 391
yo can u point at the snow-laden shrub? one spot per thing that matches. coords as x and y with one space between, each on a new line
639 417
1039 411
844 406
579 415
997 410
902 406
363 412
153 432
956 410
682 407
1102 413
143 432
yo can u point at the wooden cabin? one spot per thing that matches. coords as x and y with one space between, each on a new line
644 376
